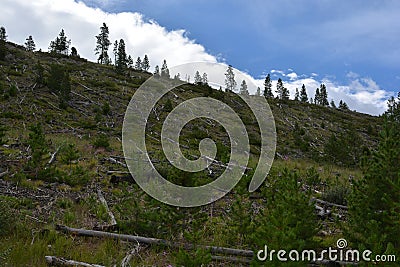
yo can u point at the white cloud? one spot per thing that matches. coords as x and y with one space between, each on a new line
43 19
292 76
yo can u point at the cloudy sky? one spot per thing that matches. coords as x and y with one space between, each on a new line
351 46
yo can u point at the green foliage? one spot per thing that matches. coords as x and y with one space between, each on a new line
337 193
106 108
312 177
2 134
374 205
6 217
69 153
168 106
39 147
288 220
200 257
12 91
344 148
39 74
60 83
101 140
3 50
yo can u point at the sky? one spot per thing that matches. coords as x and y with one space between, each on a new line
350 46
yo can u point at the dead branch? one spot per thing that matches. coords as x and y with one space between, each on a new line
326 203
154 241
104 202
55 261
116 162
53 156
3 173
125 261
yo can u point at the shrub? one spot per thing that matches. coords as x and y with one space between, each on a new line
101 140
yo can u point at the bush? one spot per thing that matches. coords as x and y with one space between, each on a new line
337 194
7 218
101 141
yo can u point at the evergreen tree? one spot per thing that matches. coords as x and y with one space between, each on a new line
323 96
282 91
230 83
393 111
243 88
343 105
205 79
3 39
297 95
121 62
279 224
74 52
60 83
258 92
177 76
38 144
3 34
156 71
317 97
197 78
333 105
145 63
165 70
129 62
39 73
374 205
30 44
303 94
115 51
103 43
138 64
268 87
61 44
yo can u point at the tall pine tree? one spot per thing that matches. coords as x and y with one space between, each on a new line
145 63
230 83
282 91
103 43
30 44
303 94
121 62
268 87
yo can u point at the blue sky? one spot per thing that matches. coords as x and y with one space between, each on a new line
351 46
331 38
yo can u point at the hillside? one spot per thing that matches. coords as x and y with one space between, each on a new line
80 153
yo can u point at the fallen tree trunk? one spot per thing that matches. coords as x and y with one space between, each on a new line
55 261
329 203
154 241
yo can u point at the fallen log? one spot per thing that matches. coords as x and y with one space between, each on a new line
329 203
55 261
154 241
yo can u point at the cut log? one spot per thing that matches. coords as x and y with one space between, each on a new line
55 261
154 241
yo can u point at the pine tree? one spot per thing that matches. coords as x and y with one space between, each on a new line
393 111
333 105
156 71
283 93
279 224
39 73
129 62
30 44
343 105
121 62
145 63
268 87
165 70
317 97
303 94
38 144
297 95
197 78
3 34
258 92
103 43
59 82
115 51
230 83
138 64
61 44
205 79
374 205
74 52
323 96
243 88
3 39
